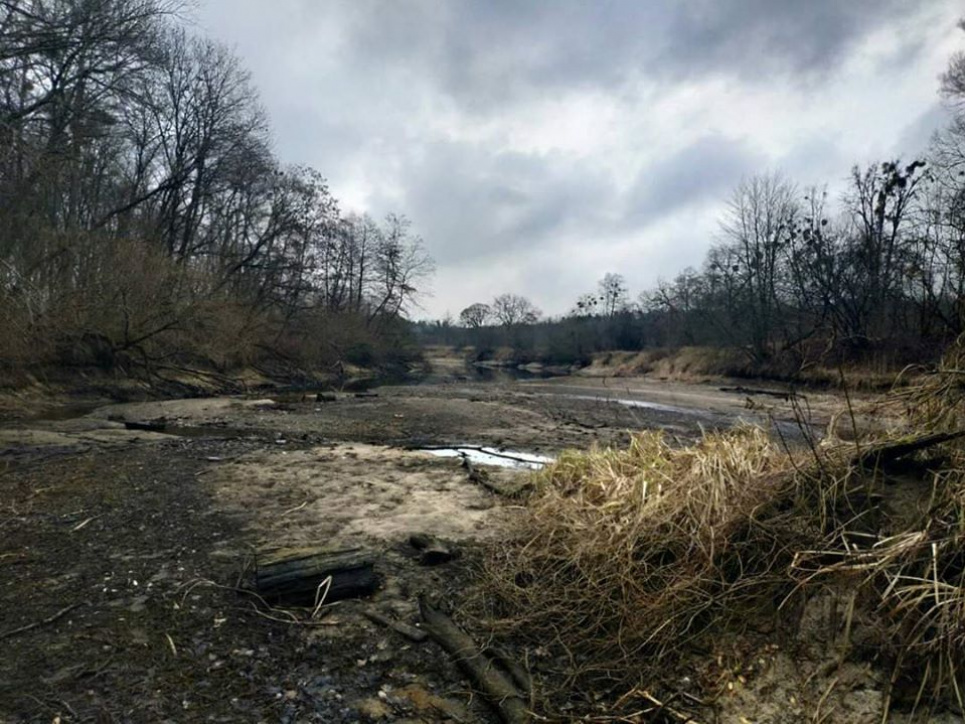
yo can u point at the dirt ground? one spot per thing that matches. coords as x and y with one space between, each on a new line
126 553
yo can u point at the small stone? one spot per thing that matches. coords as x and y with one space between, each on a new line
374 709
436 555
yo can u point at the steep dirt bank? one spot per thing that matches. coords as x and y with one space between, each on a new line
71 391
694 365
732 366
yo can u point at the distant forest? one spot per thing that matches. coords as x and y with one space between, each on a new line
797 278
145 223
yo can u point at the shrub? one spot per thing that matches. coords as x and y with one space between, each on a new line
625 560
624 556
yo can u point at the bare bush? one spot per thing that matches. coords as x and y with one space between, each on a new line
626 562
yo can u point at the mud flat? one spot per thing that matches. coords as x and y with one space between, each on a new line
129 533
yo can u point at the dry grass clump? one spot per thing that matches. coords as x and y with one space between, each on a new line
627 559
917 569
703 364
627 555
922 573
936 399
915 575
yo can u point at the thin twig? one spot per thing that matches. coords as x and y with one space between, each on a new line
60 614
410 632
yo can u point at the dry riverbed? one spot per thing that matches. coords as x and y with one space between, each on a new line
129 534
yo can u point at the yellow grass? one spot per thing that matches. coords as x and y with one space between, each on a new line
625 560
626 555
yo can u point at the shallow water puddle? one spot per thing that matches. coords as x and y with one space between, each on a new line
626 402
492 456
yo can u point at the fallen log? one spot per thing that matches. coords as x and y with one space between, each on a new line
304 577
491 483
757 391
884 453
480 477
481 671
520 676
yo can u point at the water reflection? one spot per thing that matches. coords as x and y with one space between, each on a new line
493 456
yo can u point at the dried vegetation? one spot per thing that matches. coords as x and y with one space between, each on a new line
627 562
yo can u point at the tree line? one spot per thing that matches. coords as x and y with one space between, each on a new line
795 275
145 220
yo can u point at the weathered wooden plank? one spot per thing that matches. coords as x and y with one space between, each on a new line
300 577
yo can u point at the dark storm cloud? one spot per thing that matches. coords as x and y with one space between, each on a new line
485 53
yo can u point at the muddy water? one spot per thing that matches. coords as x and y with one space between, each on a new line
470 418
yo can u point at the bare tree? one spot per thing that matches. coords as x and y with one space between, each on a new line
879 202
614 296
400 265
512 309
139 197
758 227
475 315
953 79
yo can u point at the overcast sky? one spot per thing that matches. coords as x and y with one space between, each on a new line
538 144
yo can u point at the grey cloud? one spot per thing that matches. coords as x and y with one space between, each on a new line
375 94
918 135
469 203
486 53
764 38
707 168
815 160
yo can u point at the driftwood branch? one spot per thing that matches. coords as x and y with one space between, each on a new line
37 624
519 674
410 632
756 391
480 477
889 452
497 486
481 671
298 577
